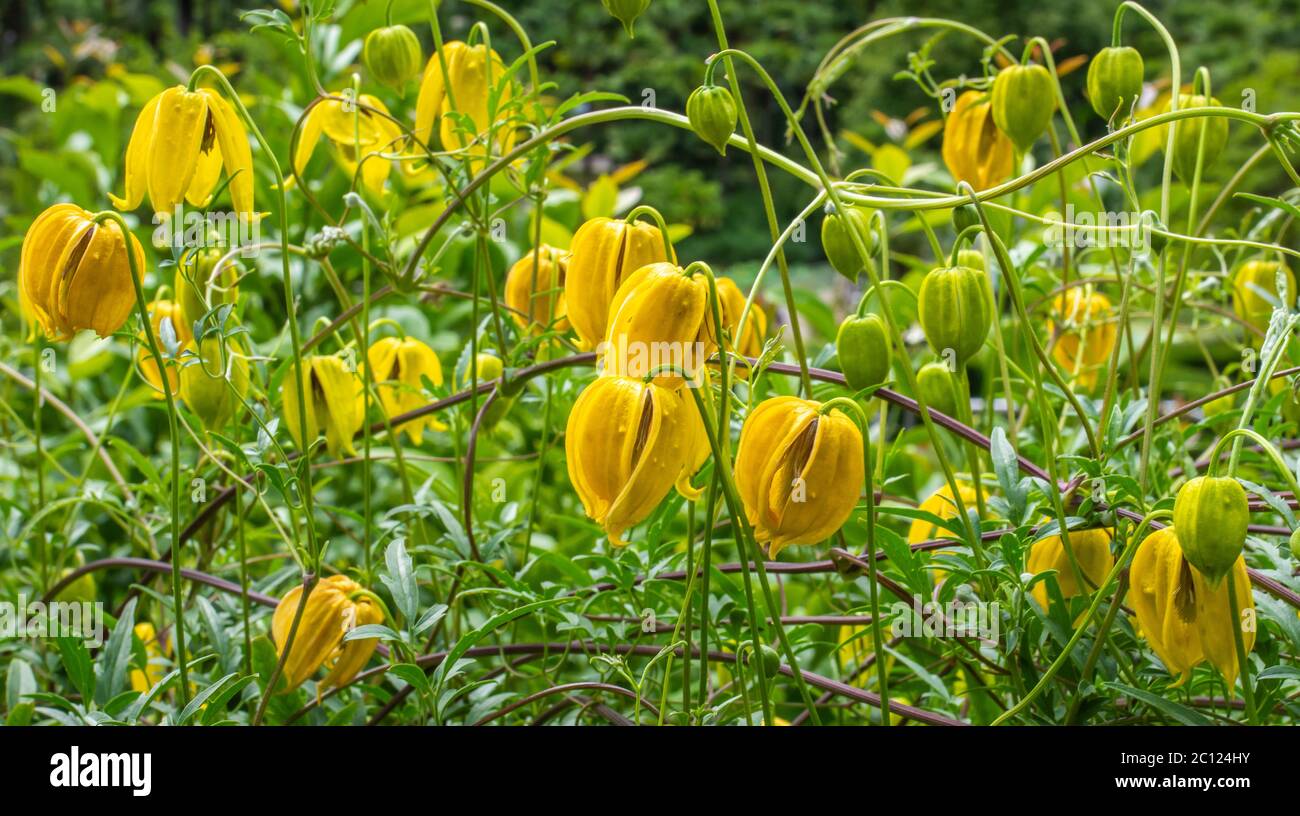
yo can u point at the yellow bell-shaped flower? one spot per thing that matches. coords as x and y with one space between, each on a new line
1088 333
799 471
460 104
181 141
355 132
399 366
974 150
1255 293
1181 616
942 504
731 302
336 606
603 253
628 443
334 404
655 321
160 312
535 292
1091 551
74 274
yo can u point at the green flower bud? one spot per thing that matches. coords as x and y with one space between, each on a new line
955 307
1115 81
392 55
1210 518
711 110
863 348
838 244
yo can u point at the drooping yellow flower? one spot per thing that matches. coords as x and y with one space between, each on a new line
1181 616
336 606
799 471
74 274
154 670
942 504
1088 333
732 303
628 443
536 296
399 367
1091 551
462 109
603 253
334 404
974 150
356 132
1255 294
654 321
181 141
160 312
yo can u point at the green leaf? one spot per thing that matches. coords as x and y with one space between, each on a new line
202 697
400 580
116 657
76 662
1175 711
19 683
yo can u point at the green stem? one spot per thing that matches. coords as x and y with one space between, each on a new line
174 433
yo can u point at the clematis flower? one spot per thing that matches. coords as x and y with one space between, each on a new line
1087 333
603 253
732 303
335 606
1091 551
457 103
399 366
799 471
354 131
181 142
655 320
974 150
1180 615
536 298
942 504
628 443
74 274
334 404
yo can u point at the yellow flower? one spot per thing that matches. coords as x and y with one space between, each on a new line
1254 291
536 299
1087 333
155 669
334 404
974 150
399 367
181 141
460 108
1180 615
160 312
336 606
799 471
942 504
654 321
628 443
73 273
732 302
603 253
355 131
1091 551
